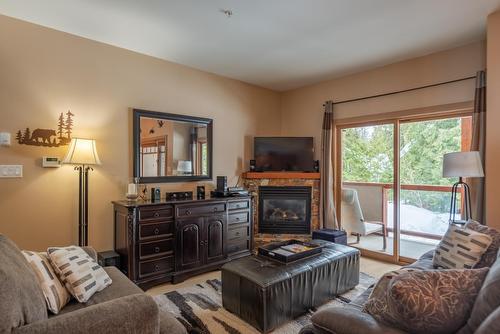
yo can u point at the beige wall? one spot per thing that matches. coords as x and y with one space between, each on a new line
493 121
302 111
44 72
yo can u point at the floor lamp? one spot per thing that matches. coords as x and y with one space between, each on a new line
461 164
83 154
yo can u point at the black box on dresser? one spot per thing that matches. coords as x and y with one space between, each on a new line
167 241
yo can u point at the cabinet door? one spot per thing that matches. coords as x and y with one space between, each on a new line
215 238
190 240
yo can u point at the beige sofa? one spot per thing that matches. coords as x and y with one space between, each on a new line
120 308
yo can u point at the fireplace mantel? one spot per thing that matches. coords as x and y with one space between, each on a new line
281 175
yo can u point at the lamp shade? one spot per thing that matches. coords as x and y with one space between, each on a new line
82 152
184 166
462 164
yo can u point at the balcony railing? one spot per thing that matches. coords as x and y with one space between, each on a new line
376 198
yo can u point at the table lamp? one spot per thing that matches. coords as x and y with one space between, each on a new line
461 164
83 154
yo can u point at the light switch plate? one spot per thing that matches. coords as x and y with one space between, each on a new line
10 171
4 139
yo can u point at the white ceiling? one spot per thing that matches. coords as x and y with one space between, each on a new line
278 44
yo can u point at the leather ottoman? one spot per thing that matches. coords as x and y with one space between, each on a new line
266 293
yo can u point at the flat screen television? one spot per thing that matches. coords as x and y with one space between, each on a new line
284 154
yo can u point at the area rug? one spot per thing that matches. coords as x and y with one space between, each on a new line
199 308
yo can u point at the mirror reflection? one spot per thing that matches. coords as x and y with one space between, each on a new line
172 148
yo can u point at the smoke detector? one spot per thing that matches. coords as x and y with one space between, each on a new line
227 12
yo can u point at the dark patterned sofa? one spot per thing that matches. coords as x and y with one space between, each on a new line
120 308
350 319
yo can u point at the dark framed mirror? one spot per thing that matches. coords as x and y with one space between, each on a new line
171 148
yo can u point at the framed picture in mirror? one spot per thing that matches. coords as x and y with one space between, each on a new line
171 148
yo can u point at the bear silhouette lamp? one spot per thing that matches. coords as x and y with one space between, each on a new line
83 154
462 164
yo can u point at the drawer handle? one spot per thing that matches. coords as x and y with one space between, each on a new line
237 218
156 231
215 210
202 243
157 249
188 212
237 206
237 233
157 267
156 214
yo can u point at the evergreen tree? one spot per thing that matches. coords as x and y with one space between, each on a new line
69 124
60 126
19 137
27 136
368 157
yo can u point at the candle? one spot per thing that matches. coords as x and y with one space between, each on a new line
132 189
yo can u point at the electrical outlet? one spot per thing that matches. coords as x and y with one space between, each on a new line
10 171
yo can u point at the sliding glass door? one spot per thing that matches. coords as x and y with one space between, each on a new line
394 202
367 186
425 194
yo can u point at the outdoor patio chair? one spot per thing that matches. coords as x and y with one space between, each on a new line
353 220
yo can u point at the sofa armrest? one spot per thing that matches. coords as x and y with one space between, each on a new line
491 324
131 314
91 252
349 320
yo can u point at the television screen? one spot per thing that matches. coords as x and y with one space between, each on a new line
284 154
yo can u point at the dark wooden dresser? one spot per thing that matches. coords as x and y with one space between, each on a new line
172 240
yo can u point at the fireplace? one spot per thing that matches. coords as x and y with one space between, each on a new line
285 210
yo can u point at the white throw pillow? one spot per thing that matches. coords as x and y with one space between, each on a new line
54 292
78 271
460 248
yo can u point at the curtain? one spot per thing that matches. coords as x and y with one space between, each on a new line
328 218
478 144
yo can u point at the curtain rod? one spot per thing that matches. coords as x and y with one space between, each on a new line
404 90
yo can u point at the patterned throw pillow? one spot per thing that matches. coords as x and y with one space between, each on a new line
377 301
460 248
490 256
431 301
54 292
78 271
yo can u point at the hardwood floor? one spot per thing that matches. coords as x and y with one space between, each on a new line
372 267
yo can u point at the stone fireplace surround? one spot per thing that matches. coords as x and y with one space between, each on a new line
253 180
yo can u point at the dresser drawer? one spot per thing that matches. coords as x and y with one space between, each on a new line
155 248
155 230
238 246
155 213
238 205
199 210
156 267
239 217
239 232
